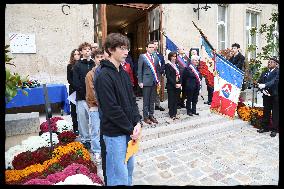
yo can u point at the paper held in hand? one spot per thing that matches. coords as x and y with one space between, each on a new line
132 148
72 98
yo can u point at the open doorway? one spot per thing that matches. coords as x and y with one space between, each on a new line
131 22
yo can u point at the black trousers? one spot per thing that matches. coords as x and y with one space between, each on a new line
270 103
149 95
103 156
74 117
172 101
192 99
210 93
180 100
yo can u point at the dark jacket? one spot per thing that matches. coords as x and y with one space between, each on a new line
238 61
70 77
171 77
271 81
189 80
116 101
162 60
80 70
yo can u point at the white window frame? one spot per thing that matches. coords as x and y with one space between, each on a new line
276 28
222 23
250 11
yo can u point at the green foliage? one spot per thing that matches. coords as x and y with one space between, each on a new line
268 50
13 80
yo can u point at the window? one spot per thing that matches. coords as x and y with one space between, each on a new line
154 23
251 22
222 27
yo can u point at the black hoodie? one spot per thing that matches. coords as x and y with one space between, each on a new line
80 70
117 101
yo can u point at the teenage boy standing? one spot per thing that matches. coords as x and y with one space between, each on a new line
80 70
93 107
120 118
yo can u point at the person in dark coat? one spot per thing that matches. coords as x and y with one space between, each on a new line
237 59
80 70
74 57
160 74
268 83
191 82
173 83
183 62
120 118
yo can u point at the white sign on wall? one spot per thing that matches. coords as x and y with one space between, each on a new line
22 43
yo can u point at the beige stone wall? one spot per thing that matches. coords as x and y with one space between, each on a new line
56 36
177 23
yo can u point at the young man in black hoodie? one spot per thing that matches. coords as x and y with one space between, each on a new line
120 118
80 70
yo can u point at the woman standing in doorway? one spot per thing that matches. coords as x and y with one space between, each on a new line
74 57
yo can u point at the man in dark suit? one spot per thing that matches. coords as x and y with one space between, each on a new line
160 73
268 83
148 66
183 62
191 81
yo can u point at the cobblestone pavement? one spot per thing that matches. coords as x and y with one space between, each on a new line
237 156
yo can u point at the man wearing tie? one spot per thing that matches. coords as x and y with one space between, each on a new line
268 83
182 60
148 80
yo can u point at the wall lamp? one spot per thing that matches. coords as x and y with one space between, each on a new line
206 7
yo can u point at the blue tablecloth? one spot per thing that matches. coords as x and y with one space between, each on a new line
56 93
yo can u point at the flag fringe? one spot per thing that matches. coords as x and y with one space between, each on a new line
217 112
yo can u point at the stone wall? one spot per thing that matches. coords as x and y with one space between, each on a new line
177 23
56 35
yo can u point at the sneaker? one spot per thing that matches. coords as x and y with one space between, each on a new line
87 145
97 158
76 133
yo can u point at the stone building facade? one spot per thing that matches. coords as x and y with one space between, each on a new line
59 28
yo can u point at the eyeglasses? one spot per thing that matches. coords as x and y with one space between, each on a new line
124 48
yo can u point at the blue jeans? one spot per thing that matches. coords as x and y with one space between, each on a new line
95 131
117 172
82 110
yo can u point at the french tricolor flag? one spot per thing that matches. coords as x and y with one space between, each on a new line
227 87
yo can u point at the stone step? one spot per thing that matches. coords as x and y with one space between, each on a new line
192 134
166 120
21 123
186 124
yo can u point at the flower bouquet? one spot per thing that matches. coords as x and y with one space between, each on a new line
30 84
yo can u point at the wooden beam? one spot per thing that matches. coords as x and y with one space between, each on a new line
104 23
136 5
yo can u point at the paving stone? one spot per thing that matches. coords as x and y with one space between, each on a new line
153 179
207 169
207 181
161 158
196 173
165 174
244 179
164 165
231 182
138 174
217 176
139 182
177 170
195 163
